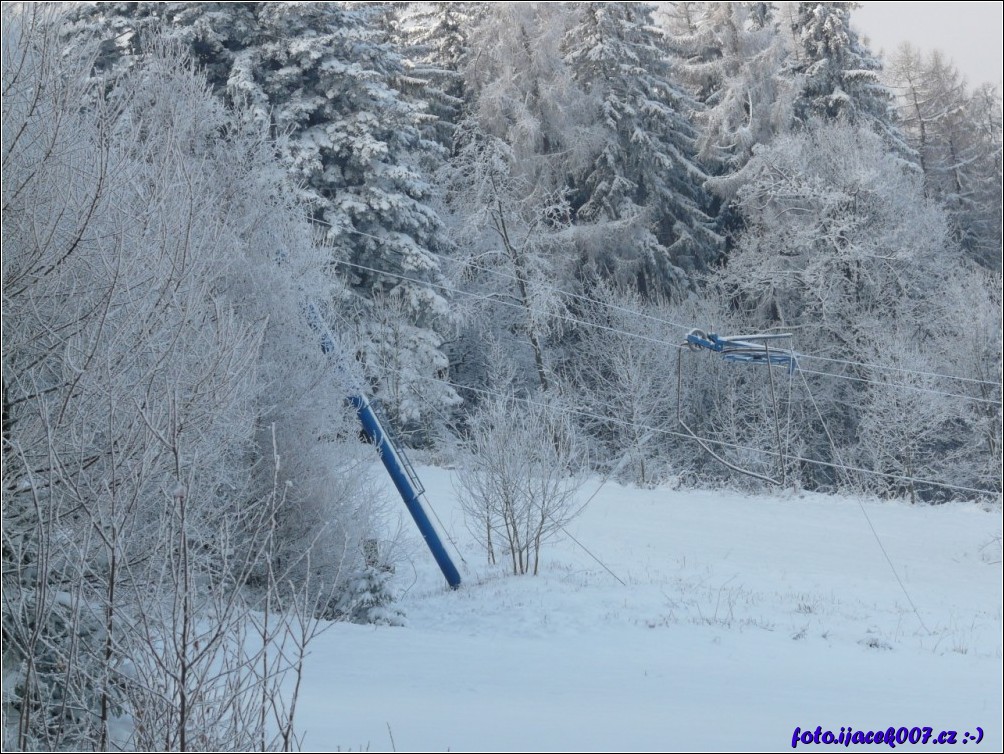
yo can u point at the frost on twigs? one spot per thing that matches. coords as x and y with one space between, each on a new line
519 481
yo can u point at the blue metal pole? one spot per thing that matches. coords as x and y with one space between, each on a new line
391 461
389 455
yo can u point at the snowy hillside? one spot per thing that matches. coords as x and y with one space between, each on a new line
741 619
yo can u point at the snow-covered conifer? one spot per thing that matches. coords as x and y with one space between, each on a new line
840 76
321 76
643 175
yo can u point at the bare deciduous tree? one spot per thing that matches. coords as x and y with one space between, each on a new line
152 279
519 480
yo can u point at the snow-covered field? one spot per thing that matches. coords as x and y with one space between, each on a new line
741 619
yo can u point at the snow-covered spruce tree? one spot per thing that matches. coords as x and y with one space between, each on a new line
643 176
369 595
957 137
213 32
326 73
840 76
321 76
433 41
142 355
843 246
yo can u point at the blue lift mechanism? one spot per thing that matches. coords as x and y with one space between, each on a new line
742 349
401 472
749 349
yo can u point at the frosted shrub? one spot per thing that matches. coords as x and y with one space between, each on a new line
519 478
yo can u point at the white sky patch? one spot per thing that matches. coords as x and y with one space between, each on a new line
970 33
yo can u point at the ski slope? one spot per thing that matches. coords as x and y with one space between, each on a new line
740 619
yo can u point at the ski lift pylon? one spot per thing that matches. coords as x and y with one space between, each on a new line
743 349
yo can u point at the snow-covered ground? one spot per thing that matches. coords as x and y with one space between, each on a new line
742 618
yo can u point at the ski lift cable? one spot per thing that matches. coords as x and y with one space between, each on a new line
480 297
722 443
902 370
864 512
777 422
663 320
638 336
442 528
799 355
576 296
589 552
787 430
900 385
